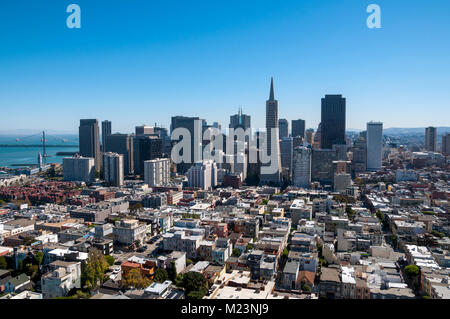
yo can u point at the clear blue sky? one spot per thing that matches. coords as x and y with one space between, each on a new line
143 61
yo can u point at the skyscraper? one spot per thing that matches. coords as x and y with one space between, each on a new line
146 148
430 139
240 120
106 131
286 147
309 136
89 137
298 128
113 168
333 121
194 126
446 144
374 145
283 127
359 155
272 142
122 144
301 176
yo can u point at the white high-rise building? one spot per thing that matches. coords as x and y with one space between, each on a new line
203 175
301 175
374 145
157 172
113 170
79 169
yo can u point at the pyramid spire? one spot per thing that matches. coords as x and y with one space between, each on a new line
272 95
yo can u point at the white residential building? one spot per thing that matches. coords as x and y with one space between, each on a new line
157 172
79 169
203 175
113 168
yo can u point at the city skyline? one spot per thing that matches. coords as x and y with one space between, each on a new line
207 60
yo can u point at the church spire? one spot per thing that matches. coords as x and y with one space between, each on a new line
272 95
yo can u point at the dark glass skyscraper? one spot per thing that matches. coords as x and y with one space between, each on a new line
283 127
89 136
333 121
106 130
122 144
298 128
194 126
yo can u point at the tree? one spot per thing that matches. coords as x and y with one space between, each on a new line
194 282
135 279
93 269
412 271
110 259
3 263
248 247
189 261
38 258
2 202
135 208
236 252
306 288
161 275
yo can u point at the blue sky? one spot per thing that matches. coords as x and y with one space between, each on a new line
143 61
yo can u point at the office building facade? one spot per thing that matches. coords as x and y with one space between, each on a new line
332 121
374 145
89 137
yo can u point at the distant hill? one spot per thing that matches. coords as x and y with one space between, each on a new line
414 131
406 131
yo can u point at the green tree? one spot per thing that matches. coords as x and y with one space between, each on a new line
189 261
38 258
2 202
195 282
236 252
248 247
135 279
3 263
306 288
110 259
161 275
412 271
93 269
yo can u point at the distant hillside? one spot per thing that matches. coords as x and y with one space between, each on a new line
414 131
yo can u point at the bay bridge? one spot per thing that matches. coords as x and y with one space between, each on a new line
30 141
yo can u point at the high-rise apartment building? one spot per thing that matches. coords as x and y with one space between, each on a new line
298 128
359 155
106 131
157 172
430 139
301 176
374 145
333 121
113 168
203 175
89 137
271 172
79 169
